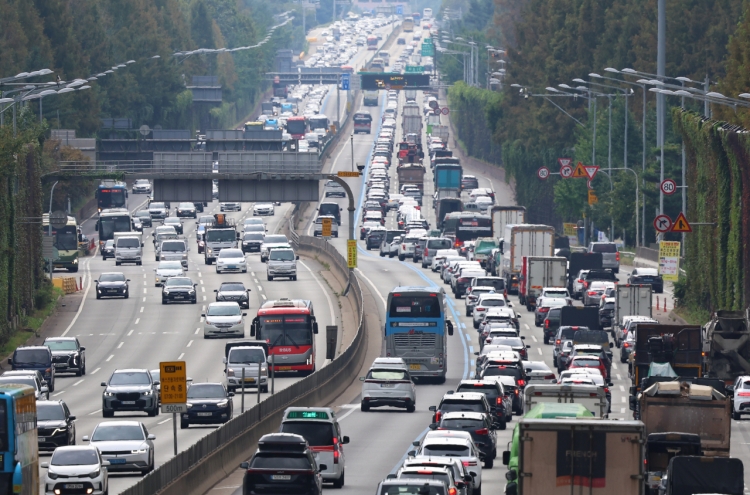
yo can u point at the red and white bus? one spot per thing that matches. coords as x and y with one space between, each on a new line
372 42
297 127
289 328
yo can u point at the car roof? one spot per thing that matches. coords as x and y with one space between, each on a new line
223 303
467 396
646 271
130 370
61 338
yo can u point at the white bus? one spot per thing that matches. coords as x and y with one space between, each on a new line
427 14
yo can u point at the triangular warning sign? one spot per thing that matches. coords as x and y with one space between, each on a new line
564 161
591 171
681 224
579 172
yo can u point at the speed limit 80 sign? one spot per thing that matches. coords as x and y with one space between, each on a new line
668 186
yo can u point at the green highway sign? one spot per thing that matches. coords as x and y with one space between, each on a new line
414 69
427 41
428 50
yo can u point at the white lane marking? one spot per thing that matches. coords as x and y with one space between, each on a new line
614 365
142 308
540 350
471 349
201 281
467 335
144 299
533 337
622 389
263 296
78 383
200 275
325 292
622 410
375 288
622 399
95 412
204 298
162 422
526 326
260 288
189 343
58 393
129 333
110 357
145 283
137 320
347 413
121 343
256 280
85 294
618 376
180 356
253 274
203 289
94 372
144 291
197 330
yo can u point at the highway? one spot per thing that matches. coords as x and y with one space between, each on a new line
381 438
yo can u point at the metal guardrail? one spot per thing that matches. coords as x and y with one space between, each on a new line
212 453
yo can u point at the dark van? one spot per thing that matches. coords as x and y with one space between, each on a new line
330 208
37 358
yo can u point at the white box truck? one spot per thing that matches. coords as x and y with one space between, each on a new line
506 215
593 398
631 300
566 456
519 241
538 272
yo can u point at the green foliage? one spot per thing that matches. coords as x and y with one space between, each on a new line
473 128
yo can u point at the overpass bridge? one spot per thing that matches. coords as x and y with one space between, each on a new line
242 176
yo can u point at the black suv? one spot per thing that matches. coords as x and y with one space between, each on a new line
130 390
500 406
55 425
251 241
551 324
233 291
208 403
480 428
461 402
178 289
67 354
517 373
283 463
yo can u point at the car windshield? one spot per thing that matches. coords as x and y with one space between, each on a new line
513 342
128 242
231 253
232 287
466 424
109 433
30 356
171 220
604 248
142 214
462 405
111 277
280 461
221 235
254 228
275 239
186 205
77 457
493 302
179 282
170 265
256 236
223 310
130 378
391 374
502 371
156 206
426 475
49 411
536 366
173 246
567 333
281 255
317 433
61 345
24 380
412 489
451 450
586 361
247 356
206 391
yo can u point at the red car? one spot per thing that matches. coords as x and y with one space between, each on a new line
588 362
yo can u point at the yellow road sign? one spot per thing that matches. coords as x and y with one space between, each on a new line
351 253
592 198
173 380
579 171
326 227
681 224
344 173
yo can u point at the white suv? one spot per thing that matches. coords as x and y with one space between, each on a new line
282 262
388 384
406 247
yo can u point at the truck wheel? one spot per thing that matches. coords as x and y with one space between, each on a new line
401 257
736 415
382 255
546 339
503 424
488 463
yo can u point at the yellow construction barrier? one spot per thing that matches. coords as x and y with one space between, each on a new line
67 284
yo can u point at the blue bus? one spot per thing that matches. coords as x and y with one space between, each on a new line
19 447
112 194
415 330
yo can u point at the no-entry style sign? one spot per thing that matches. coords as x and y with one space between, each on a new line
566 171
662 223
542 173
668 186
445 110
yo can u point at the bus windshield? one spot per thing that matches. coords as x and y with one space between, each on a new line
66 239
287 330
415 306
111 197
109 225
468 229
296 126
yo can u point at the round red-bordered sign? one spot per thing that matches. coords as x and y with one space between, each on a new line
662 223
566 171
668 186
542 173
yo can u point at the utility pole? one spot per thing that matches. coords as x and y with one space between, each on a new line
660 101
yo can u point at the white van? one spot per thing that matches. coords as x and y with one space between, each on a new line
128 248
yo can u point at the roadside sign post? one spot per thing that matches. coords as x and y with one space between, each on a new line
668 186
173 383
242 400
351 253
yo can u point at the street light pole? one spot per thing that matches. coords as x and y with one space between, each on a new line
49 225
661 53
